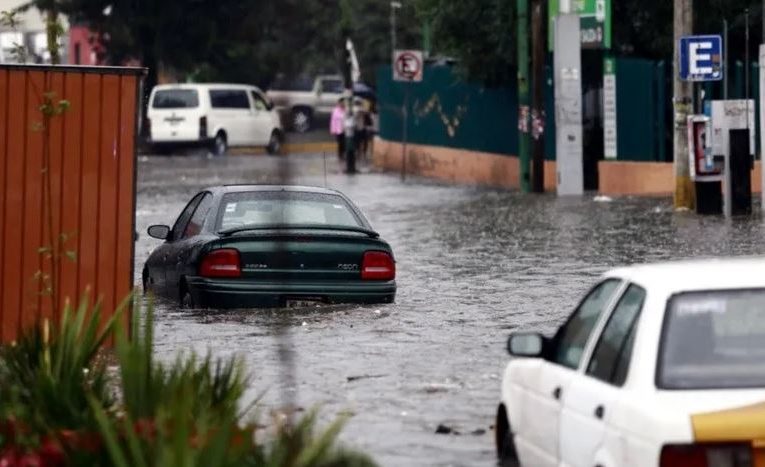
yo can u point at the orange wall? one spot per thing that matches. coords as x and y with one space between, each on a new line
647 178
455 165
90 158
471 167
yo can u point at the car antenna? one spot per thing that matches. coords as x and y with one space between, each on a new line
324 155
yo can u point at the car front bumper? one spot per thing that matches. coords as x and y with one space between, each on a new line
233 293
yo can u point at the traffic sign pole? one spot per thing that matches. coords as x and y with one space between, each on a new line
405 129
407 67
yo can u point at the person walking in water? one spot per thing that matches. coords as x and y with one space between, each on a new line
336 127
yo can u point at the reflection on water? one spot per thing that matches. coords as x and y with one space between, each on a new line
472 265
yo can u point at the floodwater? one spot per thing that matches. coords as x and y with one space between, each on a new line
473 264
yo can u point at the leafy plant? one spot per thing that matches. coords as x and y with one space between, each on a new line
59 406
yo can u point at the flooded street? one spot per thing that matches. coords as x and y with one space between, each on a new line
473 264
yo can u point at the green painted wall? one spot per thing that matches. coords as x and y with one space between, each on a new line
445 111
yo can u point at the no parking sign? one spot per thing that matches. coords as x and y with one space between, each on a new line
407 65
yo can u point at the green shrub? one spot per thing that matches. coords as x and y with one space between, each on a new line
62 406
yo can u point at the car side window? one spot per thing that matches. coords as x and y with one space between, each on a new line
229 99
180 225
260 104
572 338
198 219
332 86
613 351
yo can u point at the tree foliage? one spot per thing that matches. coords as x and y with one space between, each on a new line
241 40
479 34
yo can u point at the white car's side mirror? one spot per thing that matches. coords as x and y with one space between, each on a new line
529 345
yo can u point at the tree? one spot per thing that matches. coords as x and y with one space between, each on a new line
480 34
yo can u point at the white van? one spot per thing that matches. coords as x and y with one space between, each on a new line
217 116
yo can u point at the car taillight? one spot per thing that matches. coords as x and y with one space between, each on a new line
221 263
203 127
378 266
706 455
147 128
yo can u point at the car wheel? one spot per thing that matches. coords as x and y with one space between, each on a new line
275 143
187 301
503 438
145 282
301 120
220 145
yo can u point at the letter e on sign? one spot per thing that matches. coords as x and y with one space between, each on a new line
701 58
407 65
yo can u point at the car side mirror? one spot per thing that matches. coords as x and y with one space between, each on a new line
527 344
160 232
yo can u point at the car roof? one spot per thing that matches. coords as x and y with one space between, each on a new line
160 87
695 275
292 188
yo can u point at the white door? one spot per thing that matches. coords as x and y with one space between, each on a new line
232 110
591 397
262 120
538 441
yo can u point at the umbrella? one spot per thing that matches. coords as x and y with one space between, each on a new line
364 91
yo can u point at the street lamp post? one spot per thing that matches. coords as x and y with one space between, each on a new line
393 7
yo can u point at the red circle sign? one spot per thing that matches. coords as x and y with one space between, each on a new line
408 65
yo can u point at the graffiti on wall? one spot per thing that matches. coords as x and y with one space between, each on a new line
433 106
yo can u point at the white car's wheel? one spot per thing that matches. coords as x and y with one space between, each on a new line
220 144
503 438
274 143
301 119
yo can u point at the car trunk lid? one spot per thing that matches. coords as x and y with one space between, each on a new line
303 256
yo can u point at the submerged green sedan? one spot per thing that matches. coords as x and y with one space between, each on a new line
249 246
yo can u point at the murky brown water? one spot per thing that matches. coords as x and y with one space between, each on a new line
472 265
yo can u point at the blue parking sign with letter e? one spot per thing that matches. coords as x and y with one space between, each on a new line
701 58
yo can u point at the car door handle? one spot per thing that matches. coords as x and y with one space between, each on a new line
599 412
556 393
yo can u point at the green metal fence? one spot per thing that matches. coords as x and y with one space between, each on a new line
446 111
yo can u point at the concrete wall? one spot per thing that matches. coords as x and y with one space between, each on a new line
647 178
499 170
455 165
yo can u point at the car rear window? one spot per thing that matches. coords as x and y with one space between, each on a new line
714 340
264 208
176 99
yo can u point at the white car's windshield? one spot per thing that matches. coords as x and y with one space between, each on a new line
714 339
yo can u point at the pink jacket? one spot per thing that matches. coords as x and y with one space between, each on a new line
336 123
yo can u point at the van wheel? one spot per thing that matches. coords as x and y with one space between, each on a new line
503 438
275 143
301 119
220 145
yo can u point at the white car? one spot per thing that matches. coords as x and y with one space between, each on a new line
659 365
217 116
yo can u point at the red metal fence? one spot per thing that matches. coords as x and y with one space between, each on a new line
67 189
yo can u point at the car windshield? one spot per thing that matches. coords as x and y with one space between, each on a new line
176 99
264 208
714 339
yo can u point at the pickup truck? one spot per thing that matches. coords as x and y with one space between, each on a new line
302 100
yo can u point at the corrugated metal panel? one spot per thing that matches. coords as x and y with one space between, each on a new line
89 154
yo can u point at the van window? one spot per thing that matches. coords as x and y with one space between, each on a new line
229 99
176 99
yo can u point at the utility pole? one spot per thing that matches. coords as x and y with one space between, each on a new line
684 189
538 111
524 139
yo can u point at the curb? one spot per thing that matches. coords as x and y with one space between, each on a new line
289 148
